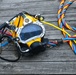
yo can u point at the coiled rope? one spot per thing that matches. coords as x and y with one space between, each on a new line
63 24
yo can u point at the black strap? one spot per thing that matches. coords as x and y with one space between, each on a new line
9 60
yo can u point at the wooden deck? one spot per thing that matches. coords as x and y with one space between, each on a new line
58 60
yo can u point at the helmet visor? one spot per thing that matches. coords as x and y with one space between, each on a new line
29 31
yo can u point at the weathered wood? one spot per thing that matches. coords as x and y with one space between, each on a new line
38 68
53 55
58 60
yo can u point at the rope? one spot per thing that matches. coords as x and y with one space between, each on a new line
62 23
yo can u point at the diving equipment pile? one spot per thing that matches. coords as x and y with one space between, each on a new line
27 33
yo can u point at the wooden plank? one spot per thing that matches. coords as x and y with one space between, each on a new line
38 2
21 1
49 15
47 56
47 18
32 3
36 10
38 68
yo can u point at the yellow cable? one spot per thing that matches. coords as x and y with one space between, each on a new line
50 24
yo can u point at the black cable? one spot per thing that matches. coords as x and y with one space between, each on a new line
10 60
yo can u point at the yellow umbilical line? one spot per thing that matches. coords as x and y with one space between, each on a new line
62 23
50 24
